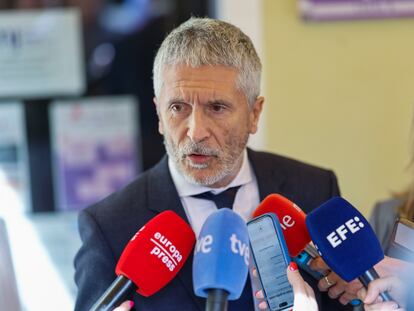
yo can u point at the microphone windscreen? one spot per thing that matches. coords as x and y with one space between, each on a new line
156 253
292 220
221 256
344 238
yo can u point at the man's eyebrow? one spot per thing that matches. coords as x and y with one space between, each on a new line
176 99
219 101
180 99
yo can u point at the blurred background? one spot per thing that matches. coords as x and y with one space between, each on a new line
77 120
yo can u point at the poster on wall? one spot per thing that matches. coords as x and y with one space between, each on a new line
41 54
331 10
14 167
95 146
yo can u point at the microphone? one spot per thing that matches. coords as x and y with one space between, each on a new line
221 259
340 233
151 259
293 222
291 218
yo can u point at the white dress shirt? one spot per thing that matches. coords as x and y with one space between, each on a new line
197 210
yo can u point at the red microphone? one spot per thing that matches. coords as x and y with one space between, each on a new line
293 222
151 259
291 218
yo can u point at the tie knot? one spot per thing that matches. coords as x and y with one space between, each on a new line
223 199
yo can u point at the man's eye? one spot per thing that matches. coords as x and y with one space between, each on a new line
218 107
177 107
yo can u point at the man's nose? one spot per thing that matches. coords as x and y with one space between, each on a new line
197 126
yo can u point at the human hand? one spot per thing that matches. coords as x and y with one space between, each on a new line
373 301
304 297
259 294
393 267
125 306
336 287
383 306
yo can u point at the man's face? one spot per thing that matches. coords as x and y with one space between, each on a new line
205 121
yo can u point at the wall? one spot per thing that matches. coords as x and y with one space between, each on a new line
340 95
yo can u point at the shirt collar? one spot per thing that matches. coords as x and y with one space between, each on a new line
185 188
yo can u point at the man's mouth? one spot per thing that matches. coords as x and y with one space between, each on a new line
197 158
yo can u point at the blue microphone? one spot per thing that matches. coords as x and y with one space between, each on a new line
221 259
346 241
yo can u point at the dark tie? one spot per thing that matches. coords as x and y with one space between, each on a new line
226 199
223 199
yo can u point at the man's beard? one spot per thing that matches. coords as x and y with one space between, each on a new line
226 157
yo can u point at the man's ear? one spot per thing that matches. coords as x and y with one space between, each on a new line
160 127
255 112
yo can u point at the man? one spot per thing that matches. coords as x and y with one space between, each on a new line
207 84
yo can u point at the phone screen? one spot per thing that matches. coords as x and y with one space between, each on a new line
270 263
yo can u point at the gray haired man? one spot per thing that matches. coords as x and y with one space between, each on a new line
207 97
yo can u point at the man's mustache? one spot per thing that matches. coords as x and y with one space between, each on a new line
198 148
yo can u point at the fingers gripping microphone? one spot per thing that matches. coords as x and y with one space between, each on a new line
346 241
221 259
151 259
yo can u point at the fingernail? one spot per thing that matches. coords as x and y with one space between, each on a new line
293 266
258 294
394 306
263 305
131 304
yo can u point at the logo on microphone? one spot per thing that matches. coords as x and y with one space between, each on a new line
287 222
352 226
166 251
238 247
205 244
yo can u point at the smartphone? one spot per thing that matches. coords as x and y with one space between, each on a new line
402 240
271 257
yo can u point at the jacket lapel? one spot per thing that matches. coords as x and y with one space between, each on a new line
268 179
161 191
162 196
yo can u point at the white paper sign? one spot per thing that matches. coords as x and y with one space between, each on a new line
41 53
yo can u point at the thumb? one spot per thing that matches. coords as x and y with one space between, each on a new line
125 306
378 286
295 279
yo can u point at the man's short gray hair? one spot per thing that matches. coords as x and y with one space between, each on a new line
205 41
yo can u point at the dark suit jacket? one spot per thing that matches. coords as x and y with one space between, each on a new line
106 227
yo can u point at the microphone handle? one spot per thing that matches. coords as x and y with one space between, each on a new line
369 276
303 260
311 250
217 300
114 295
